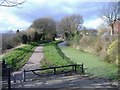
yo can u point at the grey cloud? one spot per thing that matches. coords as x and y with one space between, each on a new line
57 11
85 9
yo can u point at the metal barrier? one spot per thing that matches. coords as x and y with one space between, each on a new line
54 69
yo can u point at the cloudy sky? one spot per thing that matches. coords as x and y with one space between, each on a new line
21 17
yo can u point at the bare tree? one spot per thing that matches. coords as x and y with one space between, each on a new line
110 14
11 3
70 24
103 29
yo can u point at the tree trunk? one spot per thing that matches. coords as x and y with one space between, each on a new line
112 29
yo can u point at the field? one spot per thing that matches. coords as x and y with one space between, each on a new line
92 64
18 57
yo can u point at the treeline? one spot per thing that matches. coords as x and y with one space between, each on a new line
45 29
41 29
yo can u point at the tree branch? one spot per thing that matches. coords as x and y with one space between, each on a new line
8 3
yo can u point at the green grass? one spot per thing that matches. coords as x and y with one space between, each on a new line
0 57
18 57
53 56
94 66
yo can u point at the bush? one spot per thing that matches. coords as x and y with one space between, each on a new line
18 57
112 52
37 36
24 39
76 39
7 41
99 45
85 41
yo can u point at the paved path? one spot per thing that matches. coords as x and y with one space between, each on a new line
34 61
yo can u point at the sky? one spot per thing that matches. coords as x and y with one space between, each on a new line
22 16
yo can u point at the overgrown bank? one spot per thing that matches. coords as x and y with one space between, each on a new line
92 64
98 52
18 57
105 47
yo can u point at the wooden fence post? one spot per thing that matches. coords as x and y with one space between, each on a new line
54 70
82 68
24 77
75 68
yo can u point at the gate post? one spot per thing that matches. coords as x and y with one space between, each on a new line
75 68
24 77
82 68
3 68
54 70
9 78
3 64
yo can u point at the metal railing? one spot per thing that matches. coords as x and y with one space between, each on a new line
54 69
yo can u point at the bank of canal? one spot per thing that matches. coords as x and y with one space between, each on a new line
93 65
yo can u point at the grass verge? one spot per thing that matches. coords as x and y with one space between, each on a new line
18 57
54 57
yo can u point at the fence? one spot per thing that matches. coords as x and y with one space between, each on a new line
6 72
54 69
6 76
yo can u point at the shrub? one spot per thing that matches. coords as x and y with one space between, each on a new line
98 46
19 56
112 52
85 41
76 39
24 39
105 46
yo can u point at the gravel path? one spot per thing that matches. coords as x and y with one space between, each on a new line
34 61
